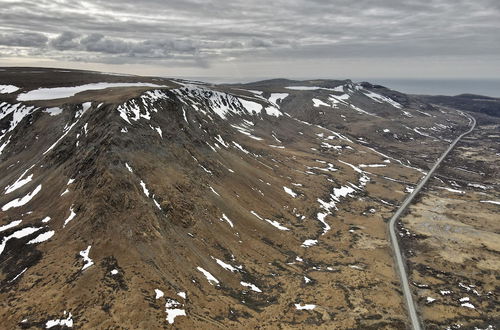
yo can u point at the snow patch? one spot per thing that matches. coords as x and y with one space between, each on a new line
241 148
225 265
255 214
17 276
18 202
309 242
129 168
158 129
42 237
429 300
18 234
68 322
468 305
491 202
277 98
10 225
66 131
271 222
71 216
53 111
456 191
7 89
213 190
318 103
250 106
380 98
225 218
305 307
210 278
253 287
158 294
144 188
372 165
172 309
85 255
277 225
290 192
64 92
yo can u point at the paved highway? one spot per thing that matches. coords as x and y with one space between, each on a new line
400 264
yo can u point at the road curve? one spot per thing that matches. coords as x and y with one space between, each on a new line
400 264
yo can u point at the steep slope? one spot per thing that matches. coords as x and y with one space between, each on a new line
149 202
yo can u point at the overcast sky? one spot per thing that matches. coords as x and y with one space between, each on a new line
256 38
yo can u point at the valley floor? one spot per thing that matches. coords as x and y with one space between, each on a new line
452 237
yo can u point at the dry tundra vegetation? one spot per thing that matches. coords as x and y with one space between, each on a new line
265 205
452 235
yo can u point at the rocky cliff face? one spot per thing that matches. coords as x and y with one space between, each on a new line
136 202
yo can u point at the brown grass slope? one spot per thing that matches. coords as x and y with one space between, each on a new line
200 172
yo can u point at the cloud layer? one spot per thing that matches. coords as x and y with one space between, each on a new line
201 33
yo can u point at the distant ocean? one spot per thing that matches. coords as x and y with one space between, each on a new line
487 87
442 86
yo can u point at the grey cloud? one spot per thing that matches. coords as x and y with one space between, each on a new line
65 41
260 43
150 48
23 39
98 48
98 43
199 31
232 44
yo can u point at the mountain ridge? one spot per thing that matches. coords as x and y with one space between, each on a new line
236 204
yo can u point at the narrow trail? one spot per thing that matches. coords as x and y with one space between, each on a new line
398 256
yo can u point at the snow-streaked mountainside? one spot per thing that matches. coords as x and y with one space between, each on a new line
143 203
